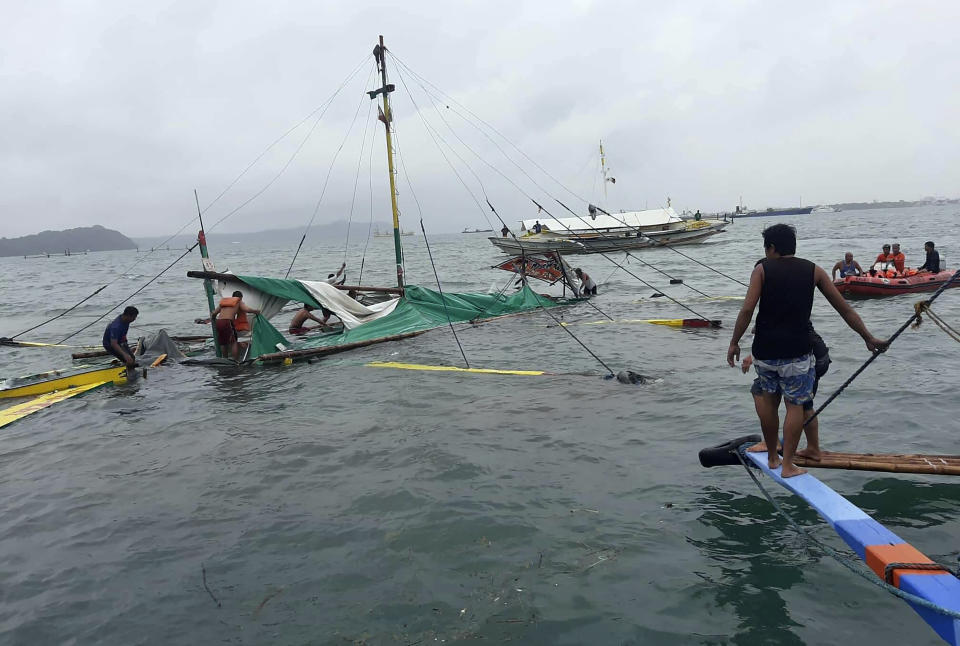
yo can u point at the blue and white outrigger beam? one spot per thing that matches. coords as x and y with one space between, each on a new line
932 590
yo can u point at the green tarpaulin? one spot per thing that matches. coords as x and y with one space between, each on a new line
419 309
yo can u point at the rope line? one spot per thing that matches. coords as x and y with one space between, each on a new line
877 353
326 181
923 307
140 289
845 562
356 179
442 297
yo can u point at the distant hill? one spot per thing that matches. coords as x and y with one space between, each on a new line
95 238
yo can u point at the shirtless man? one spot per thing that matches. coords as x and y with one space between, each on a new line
226 312
783 286
306 314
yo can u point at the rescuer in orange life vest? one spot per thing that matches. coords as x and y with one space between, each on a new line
231 317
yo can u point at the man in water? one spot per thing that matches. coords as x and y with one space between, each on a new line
115 336
337 278
932 263
305 314
587 286
227 310
783 286
847 267
897 258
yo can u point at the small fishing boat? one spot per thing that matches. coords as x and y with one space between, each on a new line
468 230
867 286
49 382
934 592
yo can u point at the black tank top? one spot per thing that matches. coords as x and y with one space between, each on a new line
785 304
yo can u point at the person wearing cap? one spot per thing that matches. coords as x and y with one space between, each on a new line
898 258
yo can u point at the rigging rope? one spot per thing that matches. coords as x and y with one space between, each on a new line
140 289
923 307
877 353
846 562
316 209
356 179
442 298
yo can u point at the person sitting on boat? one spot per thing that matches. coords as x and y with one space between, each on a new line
932 263
537 227
847 267
504 231
227 310
587 286
305 314
338 278
115 336
884 256
783 286
897 258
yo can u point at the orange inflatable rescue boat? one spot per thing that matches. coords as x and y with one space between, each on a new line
891 284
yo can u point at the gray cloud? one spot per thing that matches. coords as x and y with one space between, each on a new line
114 112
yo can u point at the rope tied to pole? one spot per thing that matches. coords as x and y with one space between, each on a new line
923 307
879 351
838 557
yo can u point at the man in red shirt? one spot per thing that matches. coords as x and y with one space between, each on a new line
897 258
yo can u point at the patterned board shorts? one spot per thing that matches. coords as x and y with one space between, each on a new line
795 379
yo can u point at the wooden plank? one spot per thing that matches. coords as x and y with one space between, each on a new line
886 463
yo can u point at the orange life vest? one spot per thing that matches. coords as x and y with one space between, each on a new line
229 301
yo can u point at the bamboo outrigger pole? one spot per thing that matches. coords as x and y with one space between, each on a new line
386 116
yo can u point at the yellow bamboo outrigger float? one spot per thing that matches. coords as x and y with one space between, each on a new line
116 375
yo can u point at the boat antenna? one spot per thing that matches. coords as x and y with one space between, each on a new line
386 116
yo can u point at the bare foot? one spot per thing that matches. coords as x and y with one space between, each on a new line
810 454
773 462
790 470
759 447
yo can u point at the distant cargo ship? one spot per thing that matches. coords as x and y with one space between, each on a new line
799 210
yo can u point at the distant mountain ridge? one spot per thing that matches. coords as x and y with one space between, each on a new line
95 238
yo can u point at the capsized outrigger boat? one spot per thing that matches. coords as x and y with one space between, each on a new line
52 381
934 590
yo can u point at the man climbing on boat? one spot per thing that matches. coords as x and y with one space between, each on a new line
847 267
587 285
783 286
227 310
306 314
337 278
115 336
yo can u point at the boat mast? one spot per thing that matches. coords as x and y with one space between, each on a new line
207 266
386 116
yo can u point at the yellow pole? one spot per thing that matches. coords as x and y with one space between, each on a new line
387 119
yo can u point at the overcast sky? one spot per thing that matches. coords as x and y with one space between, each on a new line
113 112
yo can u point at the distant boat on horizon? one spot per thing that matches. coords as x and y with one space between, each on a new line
469 230
797 210
389 234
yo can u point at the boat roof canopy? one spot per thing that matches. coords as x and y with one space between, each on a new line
624 220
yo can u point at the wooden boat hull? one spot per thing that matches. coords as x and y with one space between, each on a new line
609 243
117 375
879 287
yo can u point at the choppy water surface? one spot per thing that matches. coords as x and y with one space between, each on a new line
338 503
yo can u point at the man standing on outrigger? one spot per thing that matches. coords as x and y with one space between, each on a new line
783 285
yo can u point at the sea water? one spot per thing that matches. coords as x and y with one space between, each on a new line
336 503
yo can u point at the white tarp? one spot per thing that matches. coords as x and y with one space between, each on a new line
347 310
337 301
586 223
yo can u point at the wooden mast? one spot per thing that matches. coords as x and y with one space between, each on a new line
386 116
207 266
